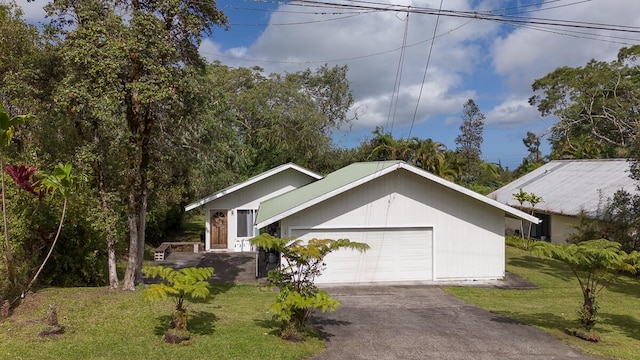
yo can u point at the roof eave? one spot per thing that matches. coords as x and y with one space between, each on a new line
252 181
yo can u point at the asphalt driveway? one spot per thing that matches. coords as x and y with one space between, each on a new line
424 322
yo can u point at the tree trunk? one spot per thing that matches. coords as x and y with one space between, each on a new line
132 263
142 219
588 315
109 229
144 190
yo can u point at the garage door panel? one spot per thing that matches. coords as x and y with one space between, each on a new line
395 255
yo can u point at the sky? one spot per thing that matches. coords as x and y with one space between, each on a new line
387 52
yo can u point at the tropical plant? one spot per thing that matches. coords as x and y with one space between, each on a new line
534 200
61 181
594 263
7 128
298 295
522 197
385 147
180 285
426 154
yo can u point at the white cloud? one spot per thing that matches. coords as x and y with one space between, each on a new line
369 44
525 54
512 112
522 55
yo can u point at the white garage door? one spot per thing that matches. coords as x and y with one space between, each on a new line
395 255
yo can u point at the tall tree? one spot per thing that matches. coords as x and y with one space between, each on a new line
151 47
534 159
469 141
284 117
596 104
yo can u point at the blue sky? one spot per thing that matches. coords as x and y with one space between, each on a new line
492 63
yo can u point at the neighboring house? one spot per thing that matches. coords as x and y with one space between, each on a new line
567 188
230 213
421 228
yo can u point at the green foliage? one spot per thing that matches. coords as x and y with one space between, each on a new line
519 242
299 296
594 263
469 141
533 200
280 118
183 284
596 104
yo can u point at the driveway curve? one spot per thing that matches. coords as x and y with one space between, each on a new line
424 322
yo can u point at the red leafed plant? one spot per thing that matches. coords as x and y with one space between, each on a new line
24 177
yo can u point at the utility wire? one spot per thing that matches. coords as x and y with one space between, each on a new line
395 95
474 15
424 76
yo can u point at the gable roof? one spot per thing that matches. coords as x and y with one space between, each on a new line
347 178
569 186
251 181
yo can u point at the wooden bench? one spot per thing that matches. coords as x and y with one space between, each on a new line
161 252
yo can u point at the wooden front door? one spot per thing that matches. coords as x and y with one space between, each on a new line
218 230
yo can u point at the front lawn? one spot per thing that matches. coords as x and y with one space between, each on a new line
103 324
553 306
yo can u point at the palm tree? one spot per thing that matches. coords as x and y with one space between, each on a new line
450 168
385 147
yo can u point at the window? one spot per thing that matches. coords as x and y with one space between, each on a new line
245 223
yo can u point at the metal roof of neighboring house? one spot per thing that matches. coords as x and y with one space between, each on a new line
251 181
348 177
569 186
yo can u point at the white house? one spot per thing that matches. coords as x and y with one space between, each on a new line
420 227
567 188
230 213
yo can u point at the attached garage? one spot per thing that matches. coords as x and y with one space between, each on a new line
396 254
420 228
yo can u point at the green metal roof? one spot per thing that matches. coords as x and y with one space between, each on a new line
354 175
344 177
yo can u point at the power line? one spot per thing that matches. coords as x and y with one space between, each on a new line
424 76
471 14
393 107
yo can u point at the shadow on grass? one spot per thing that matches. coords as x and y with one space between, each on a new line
626 324
545 266
199 323
625 285
217 288
545 320
272 326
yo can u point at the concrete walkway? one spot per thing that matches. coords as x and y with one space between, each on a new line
424 322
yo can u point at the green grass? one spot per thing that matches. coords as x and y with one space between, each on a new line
553 306
103 324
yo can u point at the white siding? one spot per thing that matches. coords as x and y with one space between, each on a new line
249 198
470 234
562 227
